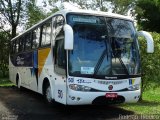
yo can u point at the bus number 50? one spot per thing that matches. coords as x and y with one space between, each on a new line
60 94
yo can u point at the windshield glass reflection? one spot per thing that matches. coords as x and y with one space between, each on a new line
103 47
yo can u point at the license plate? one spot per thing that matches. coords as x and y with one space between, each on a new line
111 95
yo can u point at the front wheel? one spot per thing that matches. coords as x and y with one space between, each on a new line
48 94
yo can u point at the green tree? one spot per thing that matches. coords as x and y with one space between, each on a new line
11 11
14 13
4 51
20 13
148 15
122 6
87 4
150 63
34 14
37 13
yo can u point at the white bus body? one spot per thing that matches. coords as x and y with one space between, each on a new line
86 62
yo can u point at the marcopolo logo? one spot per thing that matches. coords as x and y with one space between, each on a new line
110 87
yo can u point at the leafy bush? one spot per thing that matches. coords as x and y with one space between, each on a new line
150 63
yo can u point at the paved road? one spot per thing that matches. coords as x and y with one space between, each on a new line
27 105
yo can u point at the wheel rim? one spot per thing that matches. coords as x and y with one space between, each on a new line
48 94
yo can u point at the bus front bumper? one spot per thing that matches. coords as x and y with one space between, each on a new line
84 98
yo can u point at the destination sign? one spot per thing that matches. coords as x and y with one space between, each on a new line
84 20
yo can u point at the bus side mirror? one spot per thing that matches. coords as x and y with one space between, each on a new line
149 39
68 34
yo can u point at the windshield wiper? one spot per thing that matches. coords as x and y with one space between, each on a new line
123 65
98 65
117 54
99 62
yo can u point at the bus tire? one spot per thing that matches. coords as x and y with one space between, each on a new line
48 93
18 81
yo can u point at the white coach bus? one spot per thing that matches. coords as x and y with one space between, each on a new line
78 57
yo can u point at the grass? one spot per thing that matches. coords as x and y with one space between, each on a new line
149 105
4 82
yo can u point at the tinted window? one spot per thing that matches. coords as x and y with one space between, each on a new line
28 41
12 47
21 45
57 25
36 38
60 56
46 34
17 45
103 47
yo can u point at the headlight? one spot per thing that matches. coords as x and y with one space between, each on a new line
79 87
134 87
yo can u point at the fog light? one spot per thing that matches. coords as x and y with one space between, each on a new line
78 98
72 98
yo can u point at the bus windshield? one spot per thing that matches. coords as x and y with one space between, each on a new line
103 47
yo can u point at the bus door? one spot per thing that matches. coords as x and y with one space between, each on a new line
60 71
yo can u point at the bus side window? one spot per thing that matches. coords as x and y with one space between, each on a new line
28 41
59 24
54 28
17 45
12 47
35 38
46 34
21 45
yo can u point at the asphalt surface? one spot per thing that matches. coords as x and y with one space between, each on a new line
28 105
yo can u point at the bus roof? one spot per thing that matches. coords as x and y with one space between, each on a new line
97 13
80 11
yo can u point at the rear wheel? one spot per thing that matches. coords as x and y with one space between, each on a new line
18 81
